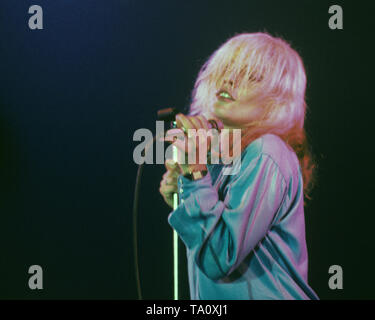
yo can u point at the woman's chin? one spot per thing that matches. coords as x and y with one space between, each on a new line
225 116
221 112
227 122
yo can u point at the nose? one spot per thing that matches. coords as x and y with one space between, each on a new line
229 82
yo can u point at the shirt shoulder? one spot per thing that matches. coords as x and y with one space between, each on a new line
278 151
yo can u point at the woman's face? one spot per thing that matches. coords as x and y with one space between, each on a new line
233 111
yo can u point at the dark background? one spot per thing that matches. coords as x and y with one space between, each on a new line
72 95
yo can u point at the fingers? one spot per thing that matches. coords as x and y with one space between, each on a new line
171 180
197 123
171 166
167 190
204 122
173 134
184 122
186 146
188 122
168 184
170 177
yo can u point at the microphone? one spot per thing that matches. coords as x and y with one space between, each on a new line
169 115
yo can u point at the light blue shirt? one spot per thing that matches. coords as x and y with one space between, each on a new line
245 233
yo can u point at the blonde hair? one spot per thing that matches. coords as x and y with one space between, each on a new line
273 76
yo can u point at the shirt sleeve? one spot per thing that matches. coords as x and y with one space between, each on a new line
221 233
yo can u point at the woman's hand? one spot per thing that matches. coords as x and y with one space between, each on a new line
168 184
190 144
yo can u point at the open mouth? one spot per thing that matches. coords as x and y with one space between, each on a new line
223 95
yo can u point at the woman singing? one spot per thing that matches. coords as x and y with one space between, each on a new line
245 233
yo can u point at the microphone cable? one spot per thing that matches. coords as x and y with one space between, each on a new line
135 235
135 220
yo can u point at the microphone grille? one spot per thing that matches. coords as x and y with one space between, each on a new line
168 114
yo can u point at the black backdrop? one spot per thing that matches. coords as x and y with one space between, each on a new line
72 95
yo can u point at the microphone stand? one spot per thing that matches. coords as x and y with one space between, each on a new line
169 115
175 235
